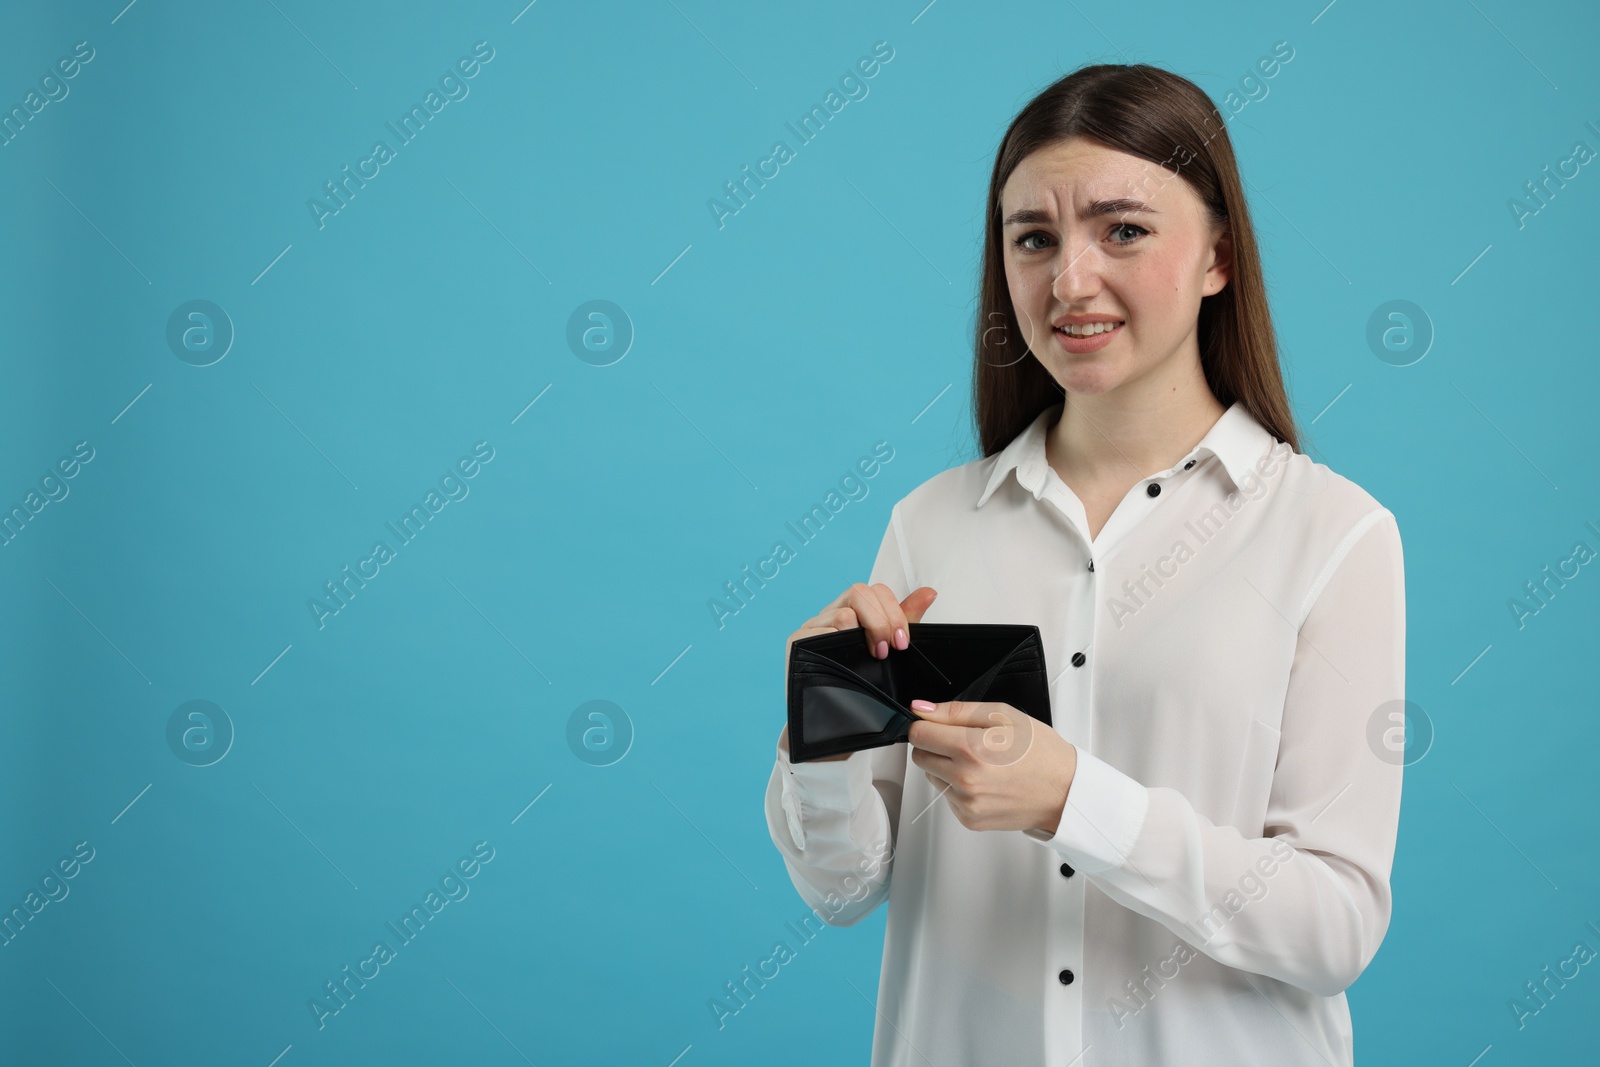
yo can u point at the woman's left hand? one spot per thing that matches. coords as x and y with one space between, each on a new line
1000 768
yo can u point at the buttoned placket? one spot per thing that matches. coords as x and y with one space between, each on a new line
1071 696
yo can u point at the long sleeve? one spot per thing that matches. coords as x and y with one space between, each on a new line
834 822
1309 902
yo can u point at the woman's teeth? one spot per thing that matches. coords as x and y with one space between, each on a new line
1090 330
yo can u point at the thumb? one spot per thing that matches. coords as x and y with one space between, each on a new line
920 600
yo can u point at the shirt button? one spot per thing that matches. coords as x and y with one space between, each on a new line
1189 464
1066 870
1066 977
1078 659
1091 564
1154 489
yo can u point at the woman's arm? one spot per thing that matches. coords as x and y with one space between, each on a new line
1307 903
835 822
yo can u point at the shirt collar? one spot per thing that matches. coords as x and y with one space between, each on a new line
1236 439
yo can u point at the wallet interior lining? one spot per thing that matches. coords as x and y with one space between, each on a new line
844 699
915 676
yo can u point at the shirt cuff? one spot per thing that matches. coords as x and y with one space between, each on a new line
830 784
1101 818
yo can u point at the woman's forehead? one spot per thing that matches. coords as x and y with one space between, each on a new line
1077 174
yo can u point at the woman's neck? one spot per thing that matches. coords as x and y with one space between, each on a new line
1133 431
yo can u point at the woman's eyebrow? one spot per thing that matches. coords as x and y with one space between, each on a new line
1120 206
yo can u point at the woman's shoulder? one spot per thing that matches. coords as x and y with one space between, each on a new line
952 489
1325 497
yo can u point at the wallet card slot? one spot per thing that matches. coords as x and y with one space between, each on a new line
804 666
850 679
812 667
841 712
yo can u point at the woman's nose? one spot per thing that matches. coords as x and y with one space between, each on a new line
1077 275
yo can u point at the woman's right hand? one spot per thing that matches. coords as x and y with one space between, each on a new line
882 619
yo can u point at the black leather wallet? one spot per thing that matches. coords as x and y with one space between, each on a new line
841 699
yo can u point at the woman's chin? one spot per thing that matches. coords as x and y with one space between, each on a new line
1086 377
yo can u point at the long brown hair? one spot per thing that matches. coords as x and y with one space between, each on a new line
1160 116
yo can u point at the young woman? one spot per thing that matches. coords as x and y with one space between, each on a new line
1193 864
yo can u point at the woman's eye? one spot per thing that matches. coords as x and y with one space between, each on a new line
1136 232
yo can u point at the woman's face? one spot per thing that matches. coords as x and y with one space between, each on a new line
1090 233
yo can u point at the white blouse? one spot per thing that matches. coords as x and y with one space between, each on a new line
1221 870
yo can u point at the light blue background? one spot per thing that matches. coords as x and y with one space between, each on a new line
827 315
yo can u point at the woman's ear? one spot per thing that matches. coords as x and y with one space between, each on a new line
1221 268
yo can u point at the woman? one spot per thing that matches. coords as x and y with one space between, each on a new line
1193 864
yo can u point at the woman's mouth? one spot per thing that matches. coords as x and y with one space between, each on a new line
1087 338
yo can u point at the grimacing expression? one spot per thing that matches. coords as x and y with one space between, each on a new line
1089 230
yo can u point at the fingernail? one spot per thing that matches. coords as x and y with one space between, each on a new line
923 705
901 640
883 650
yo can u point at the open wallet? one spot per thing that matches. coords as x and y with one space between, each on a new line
842 699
